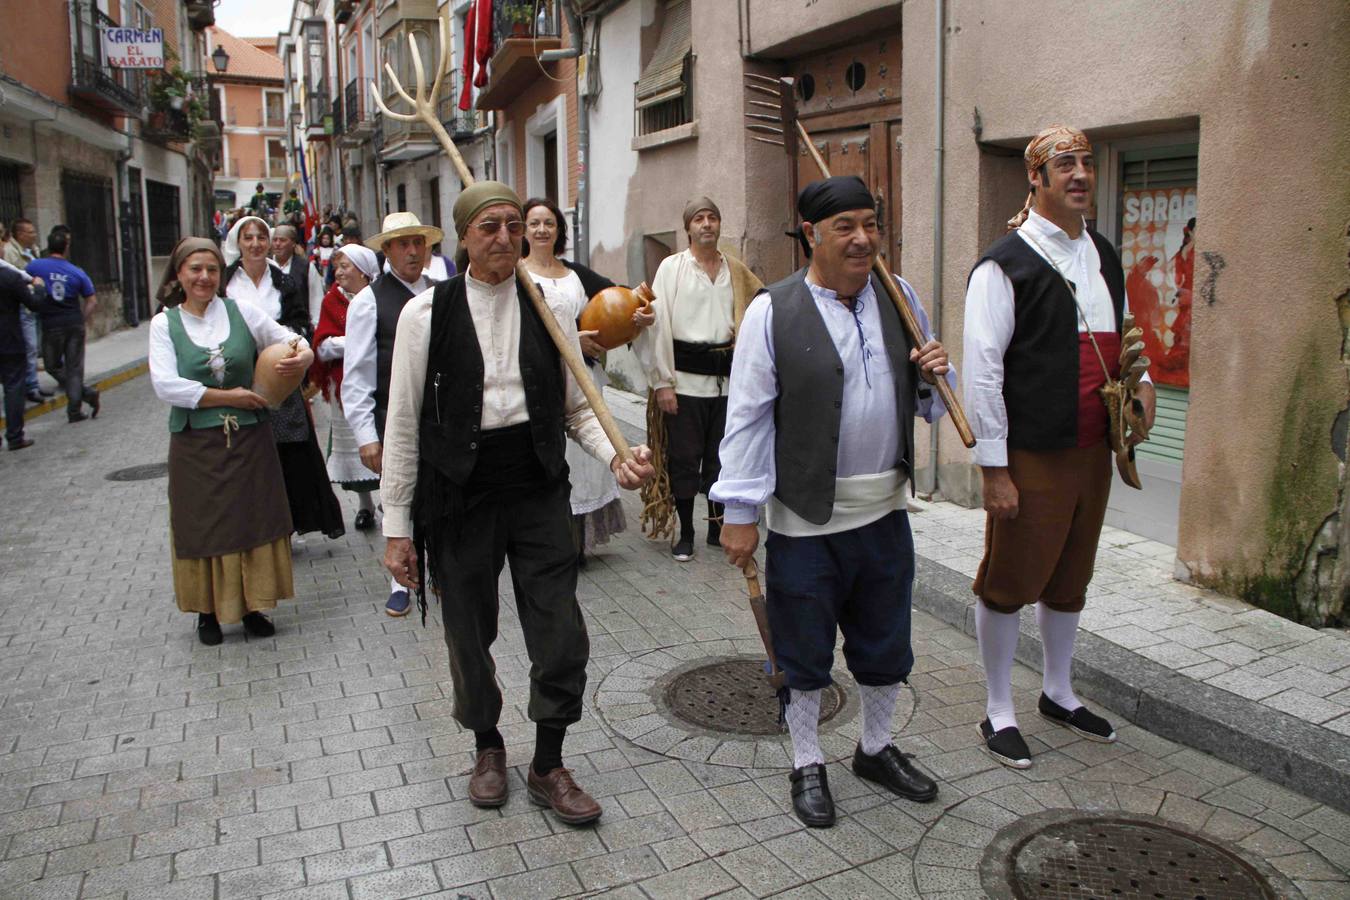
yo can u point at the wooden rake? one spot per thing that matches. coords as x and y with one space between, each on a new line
779 121
424 110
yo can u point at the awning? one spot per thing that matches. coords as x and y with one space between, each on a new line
664 75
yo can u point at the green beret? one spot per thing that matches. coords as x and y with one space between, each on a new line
477 197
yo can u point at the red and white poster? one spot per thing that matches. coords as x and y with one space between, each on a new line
1157 249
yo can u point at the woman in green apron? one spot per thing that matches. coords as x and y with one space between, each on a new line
230 523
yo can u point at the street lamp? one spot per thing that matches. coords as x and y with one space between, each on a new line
220 59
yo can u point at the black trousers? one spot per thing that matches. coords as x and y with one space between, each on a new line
63 355
13 374
533 530
693 436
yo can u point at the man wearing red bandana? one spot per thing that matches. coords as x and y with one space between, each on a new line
1044 308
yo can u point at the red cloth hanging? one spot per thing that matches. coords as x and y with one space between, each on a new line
482 43
466 69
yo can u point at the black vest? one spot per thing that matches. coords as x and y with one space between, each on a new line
1040 366
452 398
390 297
298 269
811 396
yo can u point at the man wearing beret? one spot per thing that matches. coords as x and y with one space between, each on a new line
480 405
820 430
686 354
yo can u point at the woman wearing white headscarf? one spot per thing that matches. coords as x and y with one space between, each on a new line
354 267
254 279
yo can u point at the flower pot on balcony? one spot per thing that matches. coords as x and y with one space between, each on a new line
520 29
176 104
157 120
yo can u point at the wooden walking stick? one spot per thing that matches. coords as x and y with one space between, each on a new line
424 110
786 131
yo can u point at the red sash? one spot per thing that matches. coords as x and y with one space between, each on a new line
1092 428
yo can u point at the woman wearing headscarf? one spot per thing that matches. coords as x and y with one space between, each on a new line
252 279
354 266
597 511
228 516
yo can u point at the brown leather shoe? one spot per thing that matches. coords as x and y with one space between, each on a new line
568 801
487 784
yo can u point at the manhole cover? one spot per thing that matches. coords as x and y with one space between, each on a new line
734 696
1122 858
139 473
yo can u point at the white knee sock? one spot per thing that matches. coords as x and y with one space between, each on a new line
395 587
878 715
803 720
1058 630
997 633
365 501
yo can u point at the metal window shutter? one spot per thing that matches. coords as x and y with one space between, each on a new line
665 73
1162 168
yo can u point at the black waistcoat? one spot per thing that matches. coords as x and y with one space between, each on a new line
452 399
298 269
391 295
811 396
1040 366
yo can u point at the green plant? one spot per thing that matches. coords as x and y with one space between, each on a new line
520 13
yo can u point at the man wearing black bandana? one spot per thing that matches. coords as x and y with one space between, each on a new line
820 429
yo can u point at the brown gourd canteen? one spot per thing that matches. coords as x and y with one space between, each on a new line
267 382
610 313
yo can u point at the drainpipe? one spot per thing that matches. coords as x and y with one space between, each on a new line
581 246
939 80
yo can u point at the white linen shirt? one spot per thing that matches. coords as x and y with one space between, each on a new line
691 307
869 432
263 296
989 325
496 319
359 364
209 332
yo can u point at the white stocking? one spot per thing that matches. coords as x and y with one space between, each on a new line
997 634
1058 630
803 720
878 715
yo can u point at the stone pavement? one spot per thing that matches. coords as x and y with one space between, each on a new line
324 763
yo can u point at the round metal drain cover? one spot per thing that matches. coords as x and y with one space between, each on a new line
139 473
1106 858
734 696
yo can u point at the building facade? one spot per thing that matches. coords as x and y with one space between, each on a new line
252 98
122 155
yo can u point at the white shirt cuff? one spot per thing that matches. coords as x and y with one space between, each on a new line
740 514
397 521
365 433
991 452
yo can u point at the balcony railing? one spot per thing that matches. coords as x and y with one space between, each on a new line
316 107
94 80
167 125
460 123
521 19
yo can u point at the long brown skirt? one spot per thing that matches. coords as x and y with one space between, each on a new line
230 524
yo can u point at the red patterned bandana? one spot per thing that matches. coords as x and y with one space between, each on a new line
1045 146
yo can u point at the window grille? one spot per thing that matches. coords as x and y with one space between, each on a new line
11 201
89 212
161 202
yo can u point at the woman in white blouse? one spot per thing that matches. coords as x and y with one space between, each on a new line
252 279
229 519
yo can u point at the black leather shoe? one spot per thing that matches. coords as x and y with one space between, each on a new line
208 630
365 520
811 799
258 625
35 397
95 402
893 770
21 443
683 551
76 416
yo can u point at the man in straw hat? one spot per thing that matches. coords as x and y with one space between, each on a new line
480 406
820 429
686 356
372 319
1044 308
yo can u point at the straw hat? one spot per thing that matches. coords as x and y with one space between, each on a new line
403 224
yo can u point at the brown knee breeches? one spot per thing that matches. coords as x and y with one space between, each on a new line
1047 552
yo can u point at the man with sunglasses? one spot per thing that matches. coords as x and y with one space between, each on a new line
474 475
368 355
820 430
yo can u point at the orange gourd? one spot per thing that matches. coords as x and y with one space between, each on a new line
610 313
270 384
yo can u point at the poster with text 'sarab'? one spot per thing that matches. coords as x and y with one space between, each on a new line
1157 249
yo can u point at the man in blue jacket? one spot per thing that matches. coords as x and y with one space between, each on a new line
70 303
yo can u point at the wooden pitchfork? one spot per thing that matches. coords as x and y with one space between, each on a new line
781 123
424 110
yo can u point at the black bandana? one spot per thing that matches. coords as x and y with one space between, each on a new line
831 196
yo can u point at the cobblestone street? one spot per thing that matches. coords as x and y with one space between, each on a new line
324 762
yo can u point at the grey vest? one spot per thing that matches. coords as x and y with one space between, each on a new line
811 396
390 298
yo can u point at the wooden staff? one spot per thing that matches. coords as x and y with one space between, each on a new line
424 110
